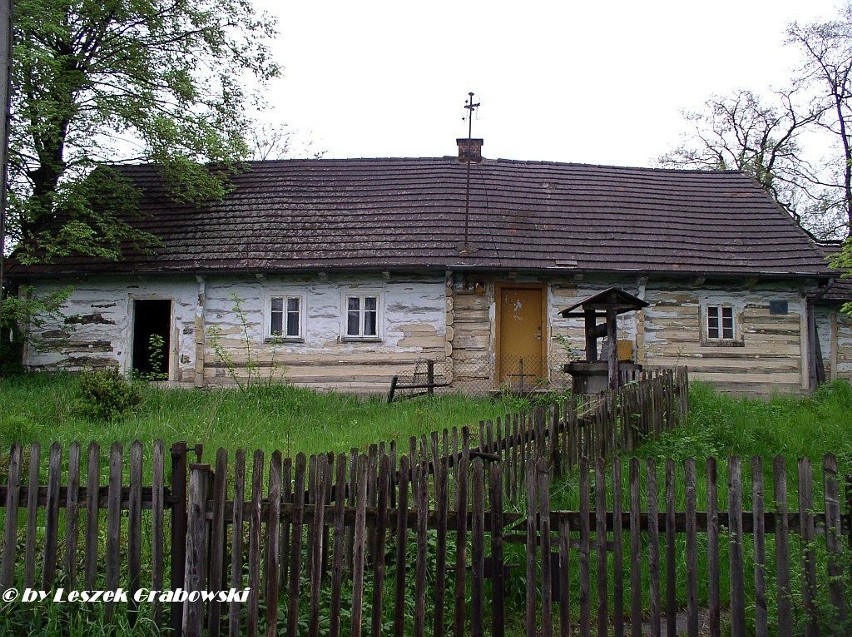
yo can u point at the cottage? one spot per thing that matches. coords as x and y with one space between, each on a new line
342 273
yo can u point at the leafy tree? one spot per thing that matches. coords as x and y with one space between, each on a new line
118 80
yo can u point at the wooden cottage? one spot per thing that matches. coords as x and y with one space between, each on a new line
347 272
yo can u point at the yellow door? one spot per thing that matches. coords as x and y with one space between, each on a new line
522 361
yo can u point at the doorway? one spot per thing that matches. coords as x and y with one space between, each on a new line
151 340
522 354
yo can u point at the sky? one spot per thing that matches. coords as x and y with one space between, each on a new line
590 82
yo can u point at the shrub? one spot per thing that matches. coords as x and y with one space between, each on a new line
106 395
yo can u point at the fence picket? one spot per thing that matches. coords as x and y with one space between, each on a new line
442 504
93 472
157 539
216 565
564 597
761 627
383 487
477 533
358 556
735 528
134 526
585 611
401 547
296 542
273 554
419 483
234 629
806 531
600 540
196 549
338 564
13 495
543 472
255 524
714 603
635 551
691 549
51 525
782 551
459 611
498 615
113 524
72 514
532 505
653 546
32 516
316 549
833 535
617 550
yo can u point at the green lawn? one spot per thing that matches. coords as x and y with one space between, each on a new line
44 408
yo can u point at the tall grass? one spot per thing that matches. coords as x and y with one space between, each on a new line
44 408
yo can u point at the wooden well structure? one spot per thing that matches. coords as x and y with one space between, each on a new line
595 374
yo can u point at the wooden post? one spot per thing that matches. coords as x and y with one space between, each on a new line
179 520
430 376
196 549
392 391
591 339
612 347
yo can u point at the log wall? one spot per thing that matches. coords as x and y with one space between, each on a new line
449 319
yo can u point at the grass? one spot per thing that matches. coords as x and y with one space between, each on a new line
44 409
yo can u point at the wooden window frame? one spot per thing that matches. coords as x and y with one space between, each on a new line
720 309
283 337
361 295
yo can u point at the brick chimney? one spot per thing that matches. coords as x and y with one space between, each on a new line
470 150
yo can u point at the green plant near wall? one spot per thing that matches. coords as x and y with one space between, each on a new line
156 347
251 378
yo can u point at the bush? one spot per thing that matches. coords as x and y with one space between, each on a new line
106 395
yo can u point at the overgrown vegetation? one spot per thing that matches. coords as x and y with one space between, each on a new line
106 395
41 408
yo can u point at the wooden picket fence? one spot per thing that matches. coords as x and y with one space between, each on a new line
140 531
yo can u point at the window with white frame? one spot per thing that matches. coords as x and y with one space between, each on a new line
286 317
362 317
720 324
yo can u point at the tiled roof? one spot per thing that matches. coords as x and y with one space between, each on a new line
840 289
409 213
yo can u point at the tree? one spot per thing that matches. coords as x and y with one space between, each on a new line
781 141
100 81
826 49
740 132
276 140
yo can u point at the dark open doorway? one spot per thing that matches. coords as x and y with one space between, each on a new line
151 355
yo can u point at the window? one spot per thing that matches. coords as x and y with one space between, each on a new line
285 317
362 317
720 323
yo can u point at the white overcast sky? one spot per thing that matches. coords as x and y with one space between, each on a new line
589 82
